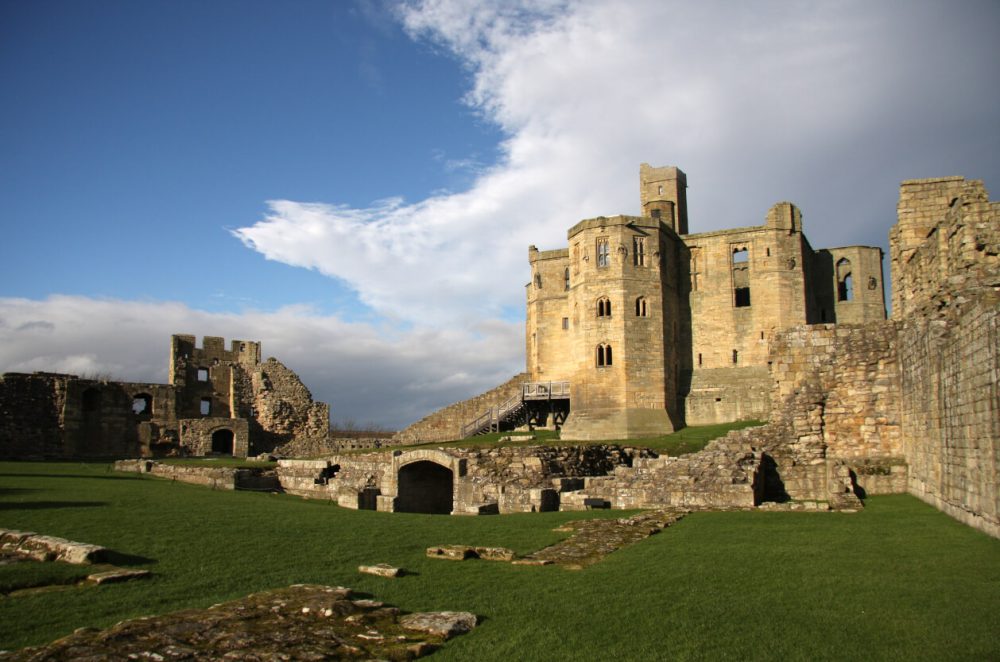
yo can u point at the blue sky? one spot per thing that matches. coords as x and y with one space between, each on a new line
136 133
355 184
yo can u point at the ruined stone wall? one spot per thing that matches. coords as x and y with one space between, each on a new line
204 376
31 415
218 436
446 424
946 276
721 395
281 409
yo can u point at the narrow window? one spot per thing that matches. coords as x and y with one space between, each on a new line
603 253
538 281
768 251
639 251
640 307
566 278
565 323
607 355
659 190
742 297
604 307
761 335
603 356
845 291
202 374
699 359
206 406
736 356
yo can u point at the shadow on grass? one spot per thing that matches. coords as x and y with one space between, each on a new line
121 559
109 476
5 491
46 505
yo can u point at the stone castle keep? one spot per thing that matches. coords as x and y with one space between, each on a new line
218 401
655 328
634 329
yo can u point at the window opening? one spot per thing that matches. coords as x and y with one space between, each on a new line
742 297
603 253
845 289
736 356
699 359
640 307
639 251
565 323
603 356
740 255
604 307
206 406
142 404
538 281
202 374
566 278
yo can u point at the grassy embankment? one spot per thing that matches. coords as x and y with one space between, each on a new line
896 581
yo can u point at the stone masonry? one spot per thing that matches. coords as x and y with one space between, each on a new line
221 401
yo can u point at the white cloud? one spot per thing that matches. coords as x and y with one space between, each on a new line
757 102
365 373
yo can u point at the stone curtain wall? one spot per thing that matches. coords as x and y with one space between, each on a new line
31 415
946 276
446 424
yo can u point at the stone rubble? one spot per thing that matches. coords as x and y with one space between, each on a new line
301 622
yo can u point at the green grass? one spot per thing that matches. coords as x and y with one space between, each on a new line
686 440
33 574
896 581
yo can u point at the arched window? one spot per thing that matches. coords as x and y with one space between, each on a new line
603 355
566 278
640 307
604 307
845 289
142 404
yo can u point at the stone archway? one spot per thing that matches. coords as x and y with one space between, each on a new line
222 441
425 487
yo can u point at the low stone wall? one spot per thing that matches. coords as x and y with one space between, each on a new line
50 548
218 478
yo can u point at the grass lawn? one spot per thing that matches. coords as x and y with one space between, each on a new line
896 581
686 440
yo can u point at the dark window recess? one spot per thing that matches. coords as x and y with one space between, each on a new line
142 404
206 406
742 297
736 356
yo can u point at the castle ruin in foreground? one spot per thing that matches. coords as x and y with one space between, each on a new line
219 401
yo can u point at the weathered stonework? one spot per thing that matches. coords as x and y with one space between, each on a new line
218 401
655 328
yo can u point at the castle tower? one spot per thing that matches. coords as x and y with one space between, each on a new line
663 194
622 308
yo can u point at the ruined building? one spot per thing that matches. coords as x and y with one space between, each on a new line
862 406
639 327
218 401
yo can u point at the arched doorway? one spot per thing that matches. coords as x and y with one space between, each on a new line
425 487
222 442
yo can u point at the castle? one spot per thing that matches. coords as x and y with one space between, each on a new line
219 401
655 328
